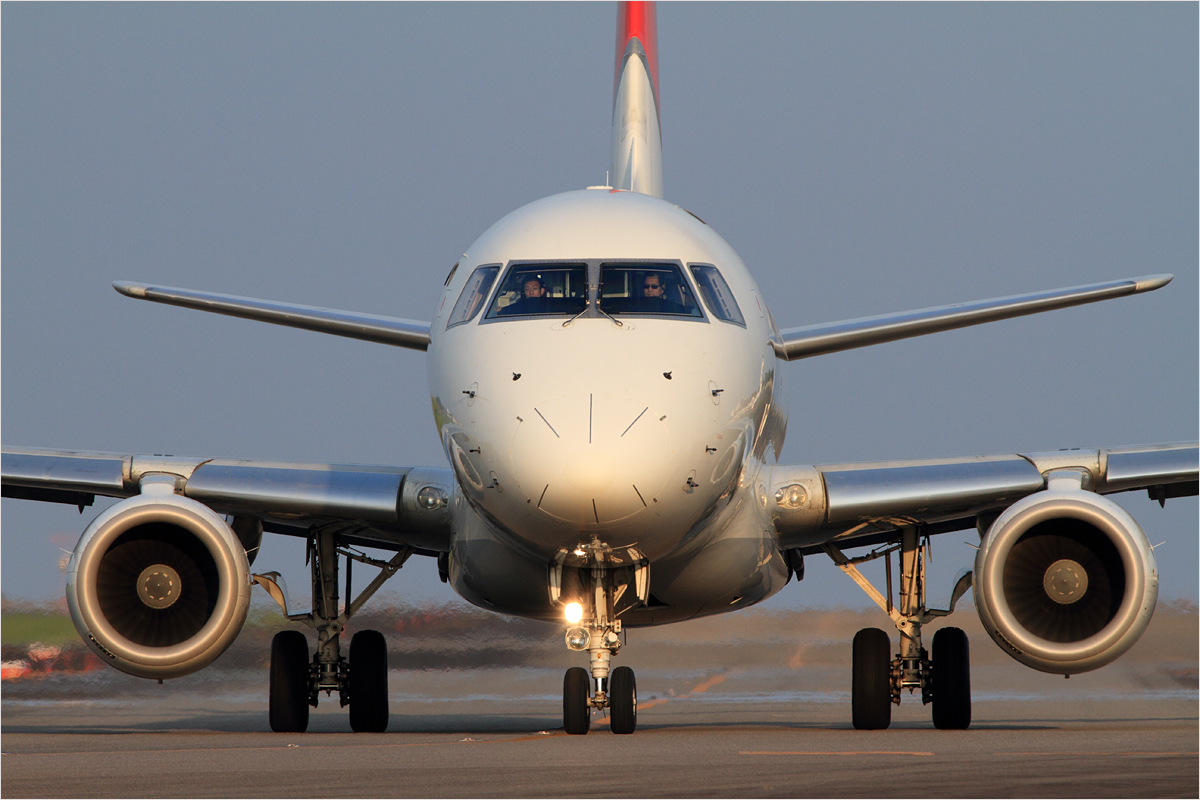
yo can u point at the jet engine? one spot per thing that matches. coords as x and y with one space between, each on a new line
1065 581
159 585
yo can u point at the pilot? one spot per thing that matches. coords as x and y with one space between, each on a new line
534 287
654 296
532 300
652 287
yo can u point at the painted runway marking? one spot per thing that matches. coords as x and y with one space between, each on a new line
356 745
1105 753
699 689
834 753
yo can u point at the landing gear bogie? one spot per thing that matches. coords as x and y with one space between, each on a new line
618 695
298 675
879 678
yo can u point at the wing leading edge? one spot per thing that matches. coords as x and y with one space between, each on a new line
374 505
397 332
862 504
832 337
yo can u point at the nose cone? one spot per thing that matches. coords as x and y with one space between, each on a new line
591 459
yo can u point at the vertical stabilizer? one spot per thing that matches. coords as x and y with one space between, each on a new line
636 139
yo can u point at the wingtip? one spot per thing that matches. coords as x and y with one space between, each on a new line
1148 283
130 289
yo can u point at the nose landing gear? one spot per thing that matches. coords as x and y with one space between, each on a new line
599 633
615 690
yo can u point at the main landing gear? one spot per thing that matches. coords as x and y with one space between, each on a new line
595 628
297 679
879 678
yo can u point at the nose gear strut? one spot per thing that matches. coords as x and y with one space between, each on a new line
598 631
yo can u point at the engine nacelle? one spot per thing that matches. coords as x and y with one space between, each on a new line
158 585
1065 581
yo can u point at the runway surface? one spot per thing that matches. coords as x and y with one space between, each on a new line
755 704
687 747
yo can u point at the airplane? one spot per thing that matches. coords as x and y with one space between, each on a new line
602 476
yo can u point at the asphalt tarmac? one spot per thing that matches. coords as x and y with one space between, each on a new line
686 746
755 704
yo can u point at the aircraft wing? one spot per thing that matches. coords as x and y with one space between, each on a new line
832 337
376 506
352 324
862 504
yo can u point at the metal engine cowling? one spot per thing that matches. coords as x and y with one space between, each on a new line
1065 581
158 585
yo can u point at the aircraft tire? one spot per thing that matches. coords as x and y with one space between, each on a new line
576 715
622 699
289 691
951 680
871 690
368 683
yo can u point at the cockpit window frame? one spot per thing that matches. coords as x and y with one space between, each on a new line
638 309
593 266
718 310
487 293
495 314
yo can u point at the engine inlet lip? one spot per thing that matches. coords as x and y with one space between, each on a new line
1111 521
232 597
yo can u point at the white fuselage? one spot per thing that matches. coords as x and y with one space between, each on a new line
645 432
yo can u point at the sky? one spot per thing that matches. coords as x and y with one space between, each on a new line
861 159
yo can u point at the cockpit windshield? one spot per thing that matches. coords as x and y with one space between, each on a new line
473 294
541 290
717 295
646 289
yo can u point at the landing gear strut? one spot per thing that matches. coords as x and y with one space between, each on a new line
879 678
298 680
598 631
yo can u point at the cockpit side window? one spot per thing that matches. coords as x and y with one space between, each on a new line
717 295
541 290
646 289
473 295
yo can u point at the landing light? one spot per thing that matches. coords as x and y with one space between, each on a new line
578 638
792 497
432 498
574 613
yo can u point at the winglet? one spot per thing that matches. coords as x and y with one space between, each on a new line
130 289
1148 283
636 136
